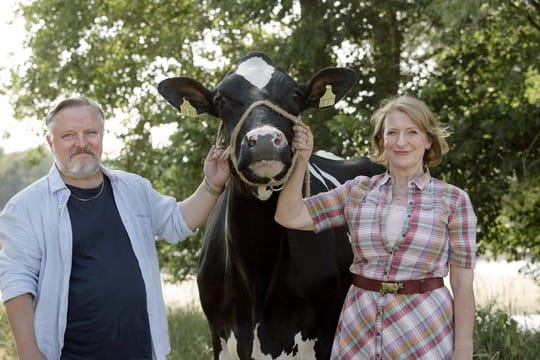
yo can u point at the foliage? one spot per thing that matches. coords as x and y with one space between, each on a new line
7 343
482 89
20 169
519 222
498 336
476 62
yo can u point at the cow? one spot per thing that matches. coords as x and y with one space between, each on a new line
269 292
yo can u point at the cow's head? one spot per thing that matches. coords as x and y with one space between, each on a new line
258 104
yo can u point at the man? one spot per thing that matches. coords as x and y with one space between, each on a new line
79 274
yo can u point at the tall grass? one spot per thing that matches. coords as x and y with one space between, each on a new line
7 344
496 336
189 334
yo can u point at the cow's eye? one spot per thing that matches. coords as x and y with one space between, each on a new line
296 95
219 100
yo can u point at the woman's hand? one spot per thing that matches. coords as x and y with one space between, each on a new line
303 141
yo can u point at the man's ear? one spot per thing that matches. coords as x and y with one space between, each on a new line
49 140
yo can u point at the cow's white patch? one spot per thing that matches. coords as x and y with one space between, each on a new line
322 176
267 168
264 193
328 155
268 130
256 71
228 348
305 349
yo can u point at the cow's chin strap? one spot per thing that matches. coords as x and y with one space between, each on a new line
274 185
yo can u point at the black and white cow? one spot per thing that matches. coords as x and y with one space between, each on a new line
269 292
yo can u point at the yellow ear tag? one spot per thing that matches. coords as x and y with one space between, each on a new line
187 109
328 99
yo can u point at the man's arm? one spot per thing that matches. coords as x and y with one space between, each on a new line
20 312
197 207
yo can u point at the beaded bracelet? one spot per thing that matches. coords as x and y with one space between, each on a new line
211 190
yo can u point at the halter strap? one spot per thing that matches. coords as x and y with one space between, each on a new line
274 185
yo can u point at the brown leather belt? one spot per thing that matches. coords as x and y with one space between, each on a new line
407 287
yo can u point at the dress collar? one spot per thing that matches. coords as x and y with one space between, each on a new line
420 181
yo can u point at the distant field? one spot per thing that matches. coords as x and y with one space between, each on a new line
497 284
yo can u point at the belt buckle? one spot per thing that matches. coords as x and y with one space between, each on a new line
390 287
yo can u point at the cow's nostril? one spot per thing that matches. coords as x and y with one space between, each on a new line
251 142
278 140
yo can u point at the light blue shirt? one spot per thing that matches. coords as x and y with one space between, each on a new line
35 231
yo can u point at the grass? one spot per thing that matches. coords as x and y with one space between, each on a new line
7 345
497 336
188 331
189 334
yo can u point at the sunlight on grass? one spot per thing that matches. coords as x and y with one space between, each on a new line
189 334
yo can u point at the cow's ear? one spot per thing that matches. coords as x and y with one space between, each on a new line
340 80
176 89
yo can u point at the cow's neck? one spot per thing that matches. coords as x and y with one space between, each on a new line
254 240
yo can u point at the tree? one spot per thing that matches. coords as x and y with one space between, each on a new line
483 87
475 62
19 169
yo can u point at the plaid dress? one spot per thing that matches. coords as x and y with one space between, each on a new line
439 230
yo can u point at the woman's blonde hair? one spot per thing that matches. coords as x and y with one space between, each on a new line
422 117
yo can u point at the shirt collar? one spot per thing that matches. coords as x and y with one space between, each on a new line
57 183
420 181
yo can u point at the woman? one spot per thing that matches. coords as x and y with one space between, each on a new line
408 230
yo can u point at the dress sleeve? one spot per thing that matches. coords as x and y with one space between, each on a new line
327 209
462 233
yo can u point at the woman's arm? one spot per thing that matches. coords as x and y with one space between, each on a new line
291 212
461 281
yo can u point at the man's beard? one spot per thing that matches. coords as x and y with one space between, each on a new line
79 170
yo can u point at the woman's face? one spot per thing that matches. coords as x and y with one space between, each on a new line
404 143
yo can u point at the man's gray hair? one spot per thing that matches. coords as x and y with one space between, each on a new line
73 102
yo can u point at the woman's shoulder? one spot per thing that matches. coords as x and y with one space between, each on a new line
453 191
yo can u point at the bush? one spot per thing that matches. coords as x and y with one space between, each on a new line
498 337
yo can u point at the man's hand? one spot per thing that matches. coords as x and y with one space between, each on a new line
216 169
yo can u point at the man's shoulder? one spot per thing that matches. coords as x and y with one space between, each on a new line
35 190
125 177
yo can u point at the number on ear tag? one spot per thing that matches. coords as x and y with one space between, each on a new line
187 109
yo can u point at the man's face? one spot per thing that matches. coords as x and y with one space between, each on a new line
76 141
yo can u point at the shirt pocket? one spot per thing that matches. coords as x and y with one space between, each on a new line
429 224
361 215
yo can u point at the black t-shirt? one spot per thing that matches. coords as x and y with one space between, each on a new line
107 314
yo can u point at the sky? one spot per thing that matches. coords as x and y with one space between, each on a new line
22 134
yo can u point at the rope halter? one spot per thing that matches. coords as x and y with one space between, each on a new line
274 185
